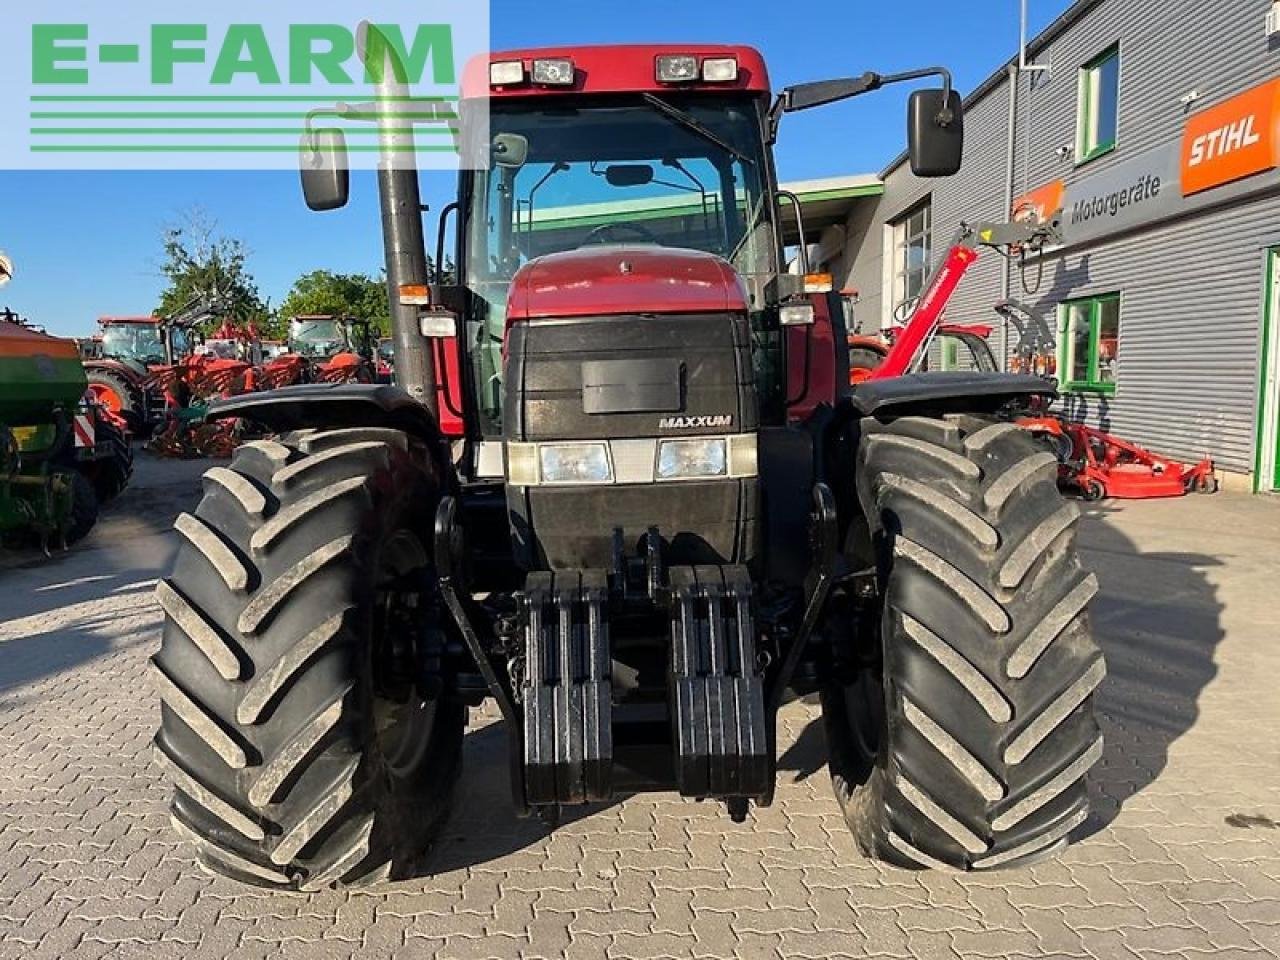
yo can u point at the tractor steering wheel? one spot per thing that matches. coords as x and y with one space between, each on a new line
601 233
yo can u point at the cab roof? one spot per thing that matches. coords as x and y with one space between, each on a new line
617 68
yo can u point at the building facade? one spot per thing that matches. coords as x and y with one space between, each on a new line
1153 128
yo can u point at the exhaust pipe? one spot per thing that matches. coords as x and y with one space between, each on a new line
402 233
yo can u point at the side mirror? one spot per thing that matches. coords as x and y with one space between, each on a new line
326 175
510 150
935 133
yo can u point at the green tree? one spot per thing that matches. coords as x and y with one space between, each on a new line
323 293
199 261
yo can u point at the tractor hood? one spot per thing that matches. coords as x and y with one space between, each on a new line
625 280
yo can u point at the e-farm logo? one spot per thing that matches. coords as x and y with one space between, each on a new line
60 54
238 88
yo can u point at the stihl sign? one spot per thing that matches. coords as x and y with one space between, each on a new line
1224 140
1233 140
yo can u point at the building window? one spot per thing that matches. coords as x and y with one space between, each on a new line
911 248
1089 343
1098 115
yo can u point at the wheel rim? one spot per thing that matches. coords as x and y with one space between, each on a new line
404 713
104 395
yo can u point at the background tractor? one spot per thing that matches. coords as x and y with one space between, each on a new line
120 368
336 349
140 367
624 489
60 456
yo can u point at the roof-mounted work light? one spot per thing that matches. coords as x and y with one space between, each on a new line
553 73
506 73
720 70
677 69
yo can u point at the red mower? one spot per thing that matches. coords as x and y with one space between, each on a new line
1100 465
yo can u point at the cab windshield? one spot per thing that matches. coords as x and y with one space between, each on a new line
318 338
140 343
612 172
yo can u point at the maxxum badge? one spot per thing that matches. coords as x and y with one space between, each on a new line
695 423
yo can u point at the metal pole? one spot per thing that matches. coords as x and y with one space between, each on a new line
402 234
1005 283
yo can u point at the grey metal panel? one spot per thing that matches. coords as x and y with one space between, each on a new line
1190 317
1187 368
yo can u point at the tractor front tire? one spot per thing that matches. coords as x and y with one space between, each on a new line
307 738
961 734
121 397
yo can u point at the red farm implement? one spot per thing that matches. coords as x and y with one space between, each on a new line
1100 465
1093 462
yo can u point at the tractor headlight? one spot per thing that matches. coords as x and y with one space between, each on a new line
522 464
689 459
575 463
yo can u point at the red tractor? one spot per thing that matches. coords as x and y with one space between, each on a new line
136 368
119 367
336 349
624 489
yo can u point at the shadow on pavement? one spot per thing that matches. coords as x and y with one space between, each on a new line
58 593
26 661
484 825
807 753
1159 622
132 544
1158 619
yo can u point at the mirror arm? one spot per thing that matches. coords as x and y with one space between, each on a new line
774 118
945 117
866 83
331 113
804 245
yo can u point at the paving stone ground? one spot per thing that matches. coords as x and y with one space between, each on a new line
1180 859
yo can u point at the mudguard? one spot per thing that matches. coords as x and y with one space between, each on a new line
946 392
330 406
135 373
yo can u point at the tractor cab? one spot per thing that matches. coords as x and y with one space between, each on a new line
143 342
581 172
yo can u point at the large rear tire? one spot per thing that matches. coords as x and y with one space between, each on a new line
308 738
960 736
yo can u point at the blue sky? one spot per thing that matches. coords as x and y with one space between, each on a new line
87 244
